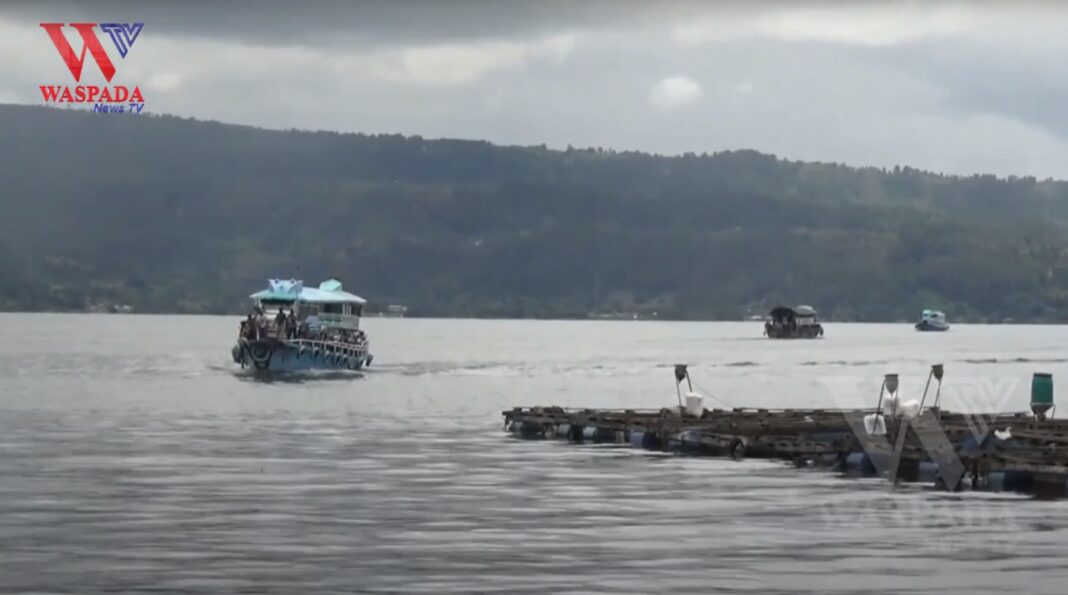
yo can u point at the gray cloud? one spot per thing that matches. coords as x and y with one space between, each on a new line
984 79
339 22
950 87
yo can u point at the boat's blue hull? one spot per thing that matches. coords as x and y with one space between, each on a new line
272 355
928 327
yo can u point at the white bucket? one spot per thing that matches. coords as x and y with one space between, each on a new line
875 424
695 404
910 408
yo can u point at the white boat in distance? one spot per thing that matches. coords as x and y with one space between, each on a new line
932 320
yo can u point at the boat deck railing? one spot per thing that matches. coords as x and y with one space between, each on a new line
330 346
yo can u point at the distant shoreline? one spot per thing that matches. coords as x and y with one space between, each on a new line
546 319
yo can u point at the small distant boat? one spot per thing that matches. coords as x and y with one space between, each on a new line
395 311
932 320
320 330
793 323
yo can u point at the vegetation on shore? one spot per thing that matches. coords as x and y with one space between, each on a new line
175 215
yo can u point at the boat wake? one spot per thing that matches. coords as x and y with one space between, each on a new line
1016 360
842 362
301 377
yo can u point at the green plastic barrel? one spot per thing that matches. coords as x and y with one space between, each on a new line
1041 392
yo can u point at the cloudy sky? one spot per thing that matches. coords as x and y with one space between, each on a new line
952 87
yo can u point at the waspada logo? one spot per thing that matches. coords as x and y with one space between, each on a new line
106 98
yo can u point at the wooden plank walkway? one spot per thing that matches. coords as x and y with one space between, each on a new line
962 447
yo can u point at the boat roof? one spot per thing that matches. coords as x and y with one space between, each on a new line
785 312
781 312
292 290
933 313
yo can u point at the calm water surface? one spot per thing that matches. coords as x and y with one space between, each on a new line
135 458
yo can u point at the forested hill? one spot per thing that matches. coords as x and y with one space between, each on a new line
168 214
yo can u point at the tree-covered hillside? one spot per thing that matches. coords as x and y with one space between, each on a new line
168 214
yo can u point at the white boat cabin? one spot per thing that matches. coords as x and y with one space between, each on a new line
806 316
328 306
934 316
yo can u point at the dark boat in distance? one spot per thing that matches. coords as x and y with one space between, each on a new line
793 323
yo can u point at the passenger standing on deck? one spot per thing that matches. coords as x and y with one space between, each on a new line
291 325
280 323
261 324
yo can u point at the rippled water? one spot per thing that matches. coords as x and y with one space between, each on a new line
133 457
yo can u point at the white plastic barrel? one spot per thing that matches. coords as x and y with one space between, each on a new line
695 404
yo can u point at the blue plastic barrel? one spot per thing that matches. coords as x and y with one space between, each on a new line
859 463
927 472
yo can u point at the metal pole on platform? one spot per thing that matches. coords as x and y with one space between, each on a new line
925 387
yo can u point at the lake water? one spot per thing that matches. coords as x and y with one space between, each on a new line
134 457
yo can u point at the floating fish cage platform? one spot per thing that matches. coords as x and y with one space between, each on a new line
1018 452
